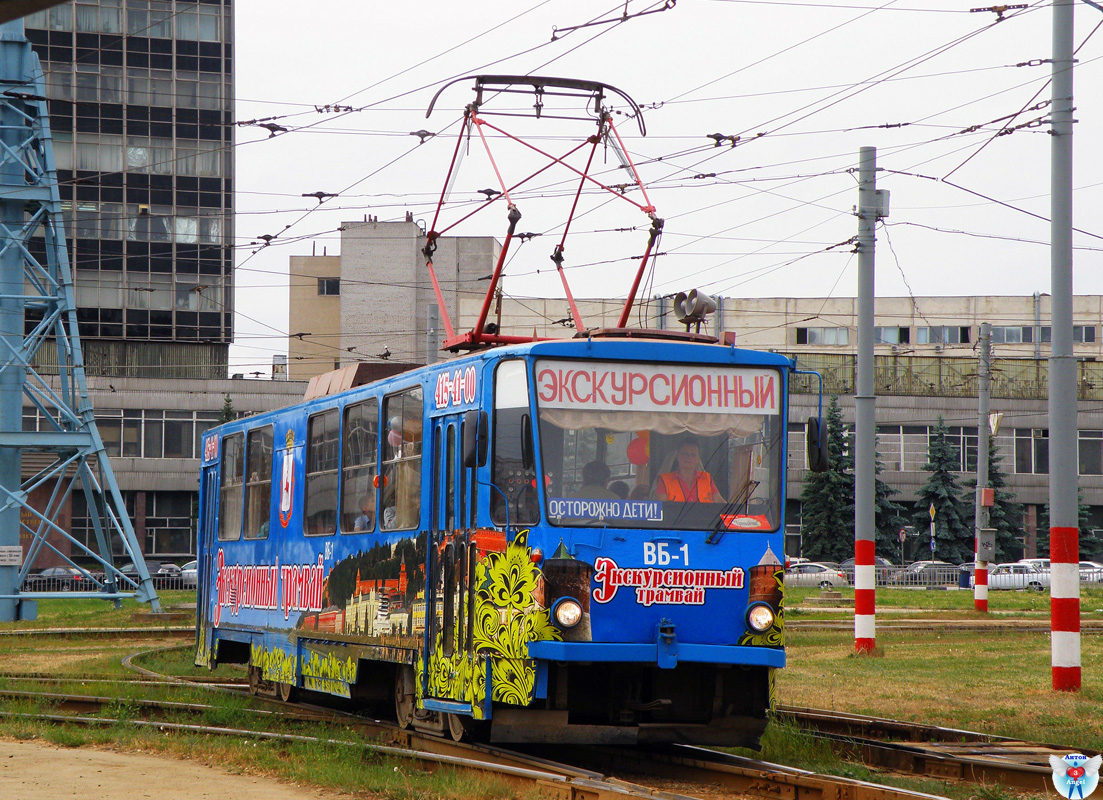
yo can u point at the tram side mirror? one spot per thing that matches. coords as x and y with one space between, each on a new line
815 440
476 438
527 459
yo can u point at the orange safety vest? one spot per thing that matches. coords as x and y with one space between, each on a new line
675 489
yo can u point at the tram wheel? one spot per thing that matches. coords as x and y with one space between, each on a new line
286 692
456 727
404 700
254 680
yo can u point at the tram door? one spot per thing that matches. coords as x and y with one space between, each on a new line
451 564
208 520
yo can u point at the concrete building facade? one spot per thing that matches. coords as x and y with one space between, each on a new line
384 304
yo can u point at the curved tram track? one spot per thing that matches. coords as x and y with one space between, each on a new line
595 773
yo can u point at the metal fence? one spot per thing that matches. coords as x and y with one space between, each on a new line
942 376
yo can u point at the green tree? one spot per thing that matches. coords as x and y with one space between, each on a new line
227 414
953 526
827 501
1005 515
1090 547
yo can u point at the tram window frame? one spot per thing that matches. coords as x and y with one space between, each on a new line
401 463
353 471
512 398
258 486
233 455
451 519
321 467
447 582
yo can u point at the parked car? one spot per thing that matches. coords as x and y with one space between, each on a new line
130 570
883 569
1041 564
927 573
1018 576
189 575
55 579
813 573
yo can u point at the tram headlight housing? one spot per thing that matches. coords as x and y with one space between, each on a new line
567 612
760 617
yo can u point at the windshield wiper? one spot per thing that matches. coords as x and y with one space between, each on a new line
737 504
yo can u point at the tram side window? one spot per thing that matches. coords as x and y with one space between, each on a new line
359 468
402 461
514 471
230 499
258 488
320 508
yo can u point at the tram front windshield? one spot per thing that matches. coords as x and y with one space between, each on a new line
691 447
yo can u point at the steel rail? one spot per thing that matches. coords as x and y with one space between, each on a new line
934 751
587 768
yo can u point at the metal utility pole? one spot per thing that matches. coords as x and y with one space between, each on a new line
1064 545
980 517
872 206
36 291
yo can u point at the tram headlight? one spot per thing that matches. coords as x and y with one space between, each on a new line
567 612
760 617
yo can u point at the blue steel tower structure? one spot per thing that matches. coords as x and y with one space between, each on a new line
36 291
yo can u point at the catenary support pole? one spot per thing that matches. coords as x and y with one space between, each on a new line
980 517
1064 546
865 593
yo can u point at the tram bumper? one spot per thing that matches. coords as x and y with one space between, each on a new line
664 654
636 693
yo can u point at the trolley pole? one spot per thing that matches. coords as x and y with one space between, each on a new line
870 209
1064 545
980 517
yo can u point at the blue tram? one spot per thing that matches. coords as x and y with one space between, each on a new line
557 541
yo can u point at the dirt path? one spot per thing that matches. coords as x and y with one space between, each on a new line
33 770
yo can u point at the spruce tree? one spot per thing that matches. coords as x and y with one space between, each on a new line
953 528
827 501
1090 548
1005 515
227 414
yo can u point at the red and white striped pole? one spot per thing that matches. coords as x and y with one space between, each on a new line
1064 607
865 597
980 585
1064 544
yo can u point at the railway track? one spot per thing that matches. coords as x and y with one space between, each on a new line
932 751
591 773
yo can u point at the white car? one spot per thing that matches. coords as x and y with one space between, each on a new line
1041 564
812 573
1091 572
189 575
1018 576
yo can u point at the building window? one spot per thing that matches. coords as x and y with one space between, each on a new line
891 335
329 287
965 441
1032 451
1082 334
943 334
1012 334
170 522
1091 452
830 336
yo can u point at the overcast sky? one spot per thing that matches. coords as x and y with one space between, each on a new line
803 85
